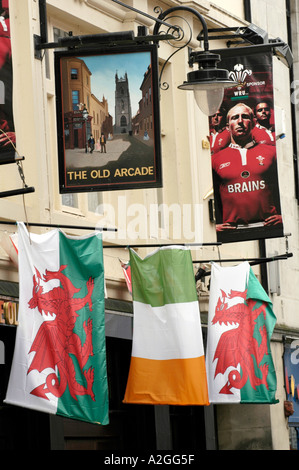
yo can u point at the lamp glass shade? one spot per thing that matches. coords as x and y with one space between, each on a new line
208 99
208 82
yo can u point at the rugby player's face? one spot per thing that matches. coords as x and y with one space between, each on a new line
262 112
240 123
216 119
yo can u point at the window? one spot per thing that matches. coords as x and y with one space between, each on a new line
70 200
95 202
75 99
74 74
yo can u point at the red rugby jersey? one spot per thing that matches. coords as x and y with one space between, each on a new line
262 135
219 140
244 177
5 45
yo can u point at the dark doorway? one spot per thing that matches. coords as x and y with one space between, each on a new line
76 138
132 427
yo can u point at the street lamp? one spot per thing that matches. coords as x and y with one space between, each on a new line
208 82
85 117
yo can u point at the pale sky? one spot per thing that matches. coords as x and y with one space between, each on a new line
104 68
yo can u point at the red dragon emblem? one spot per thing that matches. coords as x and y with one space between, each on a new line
56 341
238 346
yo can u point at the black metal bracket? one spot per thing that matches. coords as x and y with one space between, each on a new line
96 41
76 227
15 158
17 192
255 37
37 47
10 159
122 38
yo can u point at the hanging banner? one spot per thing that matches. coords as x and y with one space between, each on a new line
167 362
239 364
59 362
7 131
243 148
108 119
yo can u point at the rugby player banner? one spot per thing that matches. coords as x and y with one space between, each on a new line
59 362
167 360
243 152
239 364
7 131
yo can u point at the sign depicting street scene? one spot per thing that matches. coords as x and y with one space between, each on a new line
108 120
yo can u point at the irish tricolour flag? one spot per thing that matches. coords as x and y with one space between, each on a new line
240 368
59 363
167 363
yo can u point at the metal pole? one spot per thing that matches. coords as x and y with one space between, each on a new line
43 20
75 227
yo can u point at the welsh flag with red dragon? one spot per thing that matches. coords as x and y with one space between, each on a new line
239 363
59 363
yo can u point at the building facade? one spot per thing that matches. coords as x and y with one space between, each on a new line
77 97
123 113
184 215
142 122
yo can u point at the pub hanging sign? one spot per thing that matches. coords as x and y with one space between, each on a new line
108 119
